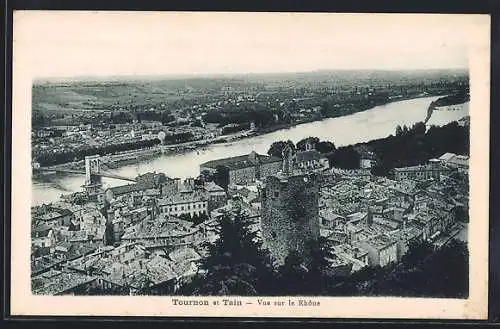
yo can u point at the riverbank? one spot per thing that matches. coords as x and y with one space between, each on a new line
360 127
442 102
115 161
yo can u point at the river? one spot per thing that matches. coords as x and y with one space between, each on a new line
377 122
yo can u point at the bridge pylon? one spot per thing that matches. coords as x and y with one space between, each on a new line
93 182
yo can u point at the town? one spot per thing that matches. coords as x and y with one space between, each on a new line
150 236
126 121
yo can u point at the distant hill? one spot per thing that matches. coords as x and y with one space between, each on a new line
67 95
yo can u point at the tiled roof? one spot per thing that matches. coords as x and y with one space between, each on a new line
124 189
242 161
418 168
55 282
381 241
166 228
212 187
184 255
447 156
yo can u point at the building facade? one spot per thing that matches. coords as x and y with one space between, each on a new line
421 172
311 159
245 169
184 203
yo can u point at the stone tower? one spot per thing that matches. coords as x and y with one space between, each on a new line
290 215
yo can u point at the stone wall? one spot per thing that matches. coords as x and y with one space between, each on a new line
242 176
269 169
290 217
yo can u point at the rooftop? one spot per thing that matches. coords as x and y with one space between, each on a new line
212 187
129 188
417 168
381 241
169 227
57 282
242 161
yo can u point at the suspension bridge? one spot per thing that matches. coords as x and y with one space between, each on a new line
93 167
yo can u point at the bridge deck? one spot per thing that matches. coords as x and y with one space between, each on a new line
79 172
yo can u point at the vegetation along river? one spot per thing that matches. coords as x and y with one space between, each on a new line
377 122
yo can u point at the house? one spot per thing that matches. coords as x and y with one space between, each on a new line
192 203
352 254
60 283
381 249
162 232
329 219
451 160
405 237
114 192
366 157
43 238
217 195
245 169
311 159
433 170
54 216
246 194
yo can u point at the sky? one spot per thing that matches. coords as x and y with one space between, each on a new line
70 44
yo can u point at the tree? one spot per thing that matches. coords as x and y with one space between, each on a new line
461 214
292 276
221 176
417 253
419 128
399 130
186 217
277 148
345 157
325 147
206 176
236 263
301 145
166 117
320 270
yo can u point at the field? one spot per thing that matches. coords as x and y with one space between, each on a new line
66 97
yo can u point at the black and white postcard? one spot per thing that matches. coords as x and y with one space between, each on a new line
250 164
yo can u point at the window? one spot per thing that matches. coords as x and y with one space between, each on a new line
276 194
273 235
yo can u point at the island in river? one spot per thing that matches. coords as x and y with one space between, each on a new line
454 99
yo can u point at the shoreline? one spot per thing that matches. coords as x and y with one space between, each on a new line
115 161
